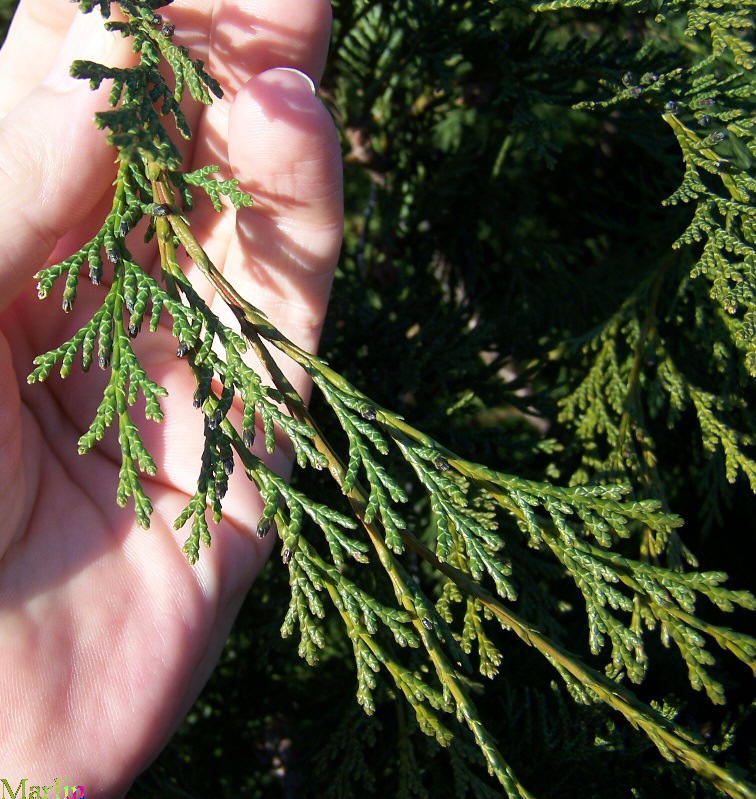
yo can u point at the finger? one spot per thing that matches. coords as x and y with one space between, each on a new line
245 40
54 165
284 149
250 38
239 40
35 36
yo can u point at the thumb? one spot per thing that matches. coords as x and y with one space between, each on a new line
54 164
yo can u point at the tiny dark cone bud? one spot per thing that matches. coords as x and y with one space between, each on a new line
248 437
671 106
635 91
157 20
113 256
168 29
263 528
221 488
707 102
718 136
103 362
67 304
705 121
286 557
198 399
214 420
182 349
133 330
628 79
161 210
427 623
441 464
123 228
95 274
228 465
368 412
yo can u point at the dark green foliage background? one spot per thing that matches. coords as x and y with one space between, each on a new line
490 229
6 12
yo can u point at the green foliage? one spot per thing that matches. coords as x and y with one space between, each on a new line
7 7
707 110
213 187
135 126
506 235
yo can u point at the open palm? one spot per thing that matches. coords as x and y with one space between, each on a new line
107 635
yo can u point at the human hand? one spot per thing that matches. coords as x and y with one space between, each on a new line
107 635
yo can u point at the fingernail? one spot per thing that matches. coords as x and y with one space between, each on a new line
310 82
